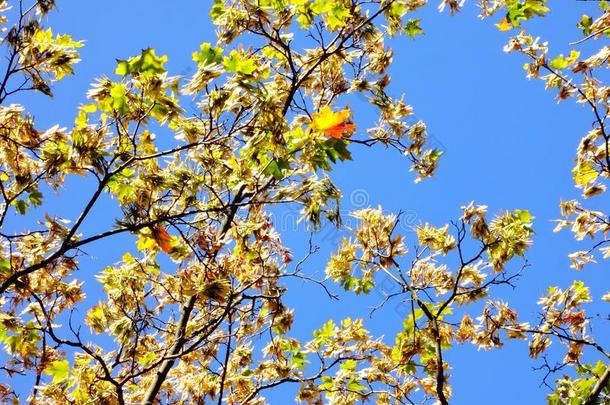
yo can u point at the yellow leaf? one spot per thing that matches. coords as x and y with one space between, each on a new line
147 358
146 243
504 25
89 108
584 173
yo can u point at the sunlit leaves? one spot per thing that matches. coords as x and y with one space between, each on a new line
437 239
334 13
191 192
4 7
584 223
239 63
574 390
59 370
376 252
147 64
217 10
497 323
454 5
509 236
565 318
374 249
121 185
118 93
96 318
325 334
562 62
522 10
208 54
52 55
584 173
337 16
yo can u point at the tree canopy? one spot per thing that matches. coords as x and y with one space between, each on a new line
194 312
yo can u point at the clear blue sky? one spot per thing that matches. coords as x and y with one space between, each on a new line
508 144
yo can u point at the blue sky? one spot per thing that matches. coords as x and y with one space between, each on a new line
507 142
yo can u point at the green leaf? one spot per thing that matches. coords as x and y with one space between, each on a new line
3 334
21 206
330 150
599 368
238 63
412 28
525 216
585 24
324 334
435 155
354 385
327 383
208 55
524 10
217 10
584 173
147 64
304 19
349 365
59 369
581 291
122 68
35 197
321 6
5 265
410 322
299 359
121 185
562 62
118 94
398 9
82 120
88 108
276 168
337 16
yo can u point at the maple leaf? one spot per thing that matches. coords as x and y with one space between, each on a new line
59 369
163 238
333 124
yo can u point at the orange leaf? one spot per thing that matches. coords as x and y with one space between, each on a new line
333 124
337 131
163 239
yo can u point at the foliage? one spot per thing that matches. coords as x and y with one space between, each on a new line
194 311
572 77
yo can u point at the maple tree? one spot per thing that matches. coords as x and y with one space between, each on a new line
194 310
